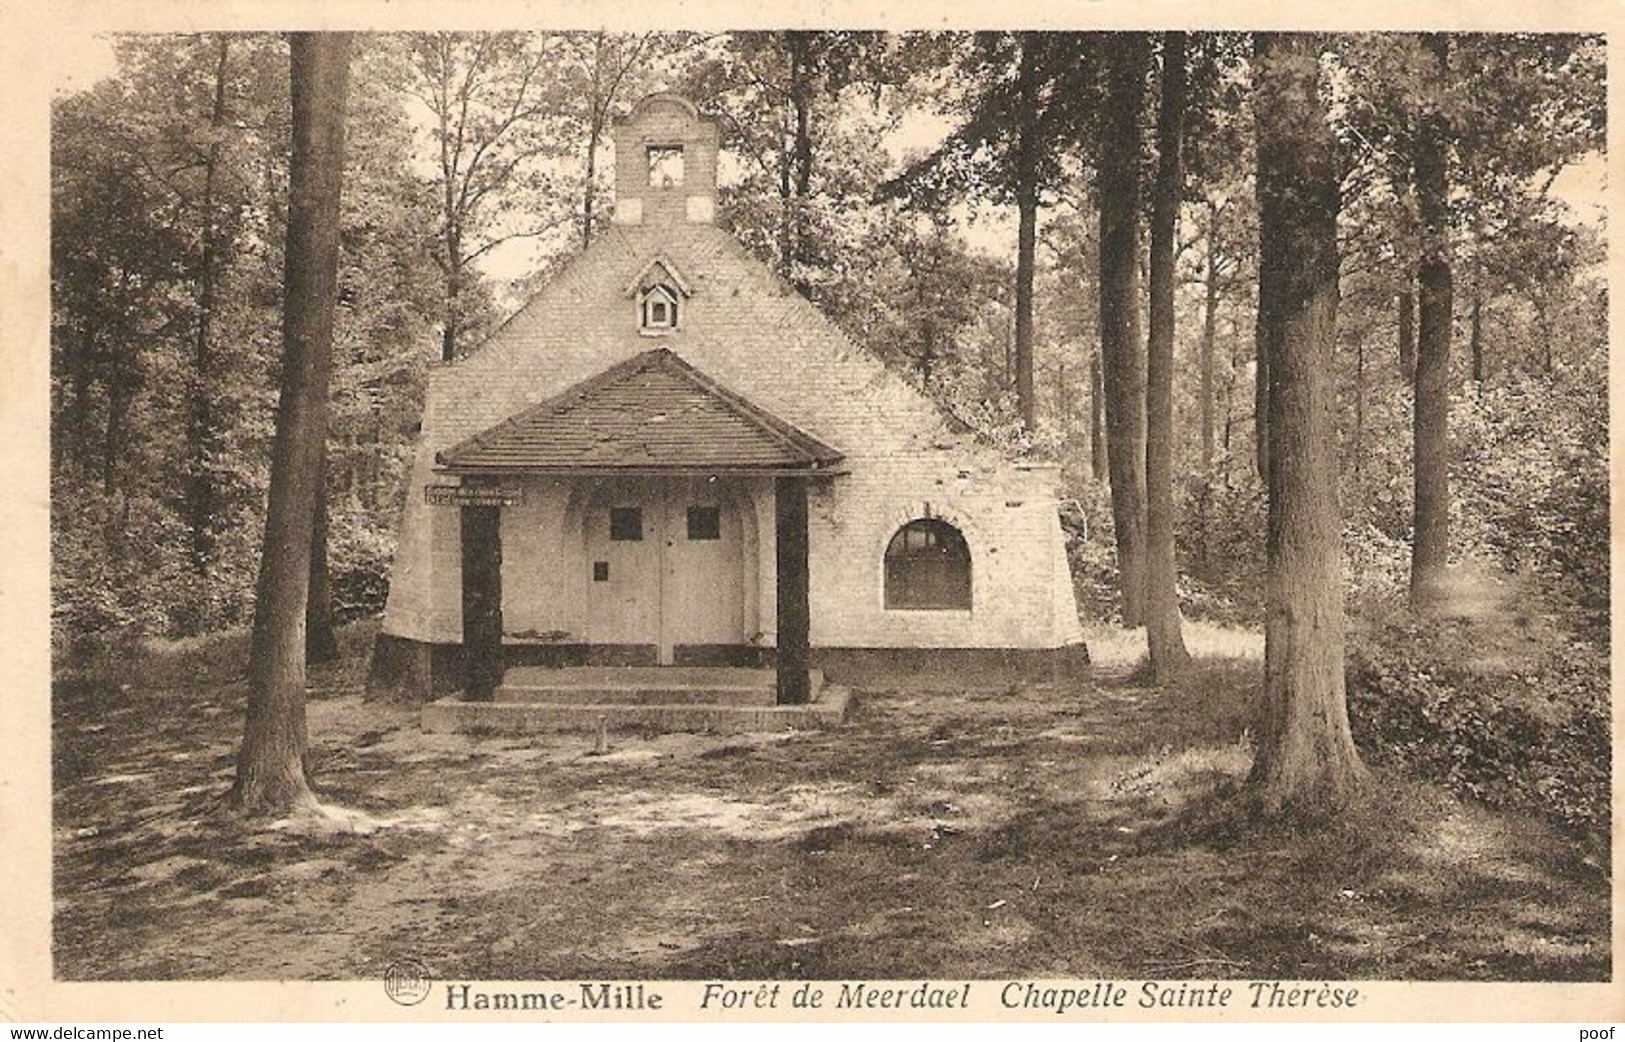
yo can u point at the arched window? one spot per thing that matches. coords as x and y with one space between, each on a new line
928 566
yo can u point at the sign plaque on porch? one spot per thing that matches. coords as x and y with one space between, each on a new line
472 496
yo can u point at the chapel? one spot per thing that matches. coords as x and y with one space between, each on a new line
670 458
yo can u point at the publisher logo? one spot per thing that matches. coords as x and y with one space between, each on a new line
407 982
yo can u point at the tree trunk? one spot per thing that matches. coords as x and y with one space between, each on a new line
1407 333
598 107
1210 332
1306 758
200 498
453 316
795 180
1267 246
272 772
1027 146
1359 408
1210 329
321 643
1430 544
1097 428
590 191
1164 637
1120 343
1476 338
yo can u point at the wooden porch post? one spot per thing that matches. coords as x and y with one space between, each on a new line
794 612
482 602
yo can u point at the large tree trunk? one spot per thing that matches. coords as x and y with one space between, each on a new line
1359 409
1097 415
200 498
1430 544
1407 332
1261 363
1164 636
1210 333
271 766
1306 758
1120 342
1476 340
321 642
796 171
1027 145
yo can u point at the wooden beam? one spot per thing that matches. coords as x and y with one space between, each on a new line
482 602
794 611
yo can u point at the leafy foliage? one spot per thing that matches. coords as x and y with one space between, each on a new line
1506 710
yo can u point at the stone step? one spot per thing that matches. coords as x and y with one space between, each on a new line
642 686
448 716
625 676
635 696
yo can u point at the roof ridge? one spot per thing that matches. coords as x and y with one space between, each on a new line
800 445
785 432
556 401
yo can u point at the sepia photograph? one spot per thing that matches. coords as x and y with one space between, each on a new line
979 521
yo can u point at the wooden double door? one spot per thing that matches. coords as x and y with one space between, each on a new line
665 565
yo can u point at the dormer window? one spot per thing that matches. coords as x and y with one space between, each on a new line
658 309
658 290
665 166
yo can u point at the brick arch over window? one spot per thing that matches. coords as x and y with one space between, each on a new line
928 567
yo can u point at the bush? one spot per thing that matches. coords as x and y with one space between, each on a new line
1508 711
1086 523
1221 550
360 548
1534 488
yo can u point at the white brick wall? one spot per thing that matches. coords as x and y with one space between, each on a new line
752 333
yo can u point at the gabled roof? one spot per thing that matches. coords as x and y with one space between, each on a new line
652 412
664 263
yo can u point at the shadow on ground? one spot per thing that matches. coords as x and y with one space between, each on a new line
1023 831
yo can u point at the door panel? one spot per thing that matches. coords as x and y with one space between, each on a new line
623 562
703 599
664 566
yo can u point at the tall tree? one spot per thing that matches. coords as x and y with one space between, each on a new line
1164 636
1306 757
201 435
606 68
272 772
1430 545
1024 110
807 156
1123 364
489 97
1028 111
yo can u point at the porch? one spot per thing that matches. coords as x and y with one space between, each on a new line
681 523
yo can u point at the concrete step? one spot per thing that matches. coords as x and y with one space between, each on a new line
449 716
635 696
642 686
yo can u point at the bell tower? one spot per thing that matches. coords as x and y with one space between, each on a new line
665 163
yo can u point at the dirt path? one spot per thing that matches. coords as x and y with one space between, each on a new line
1031 831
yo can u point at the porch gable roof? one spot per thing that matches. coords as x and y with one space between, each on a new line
652 412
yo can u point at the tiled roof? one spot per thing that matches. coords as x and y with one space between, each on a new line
653 411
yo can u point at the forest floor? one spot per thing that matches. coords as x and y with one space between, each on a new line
1009 831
